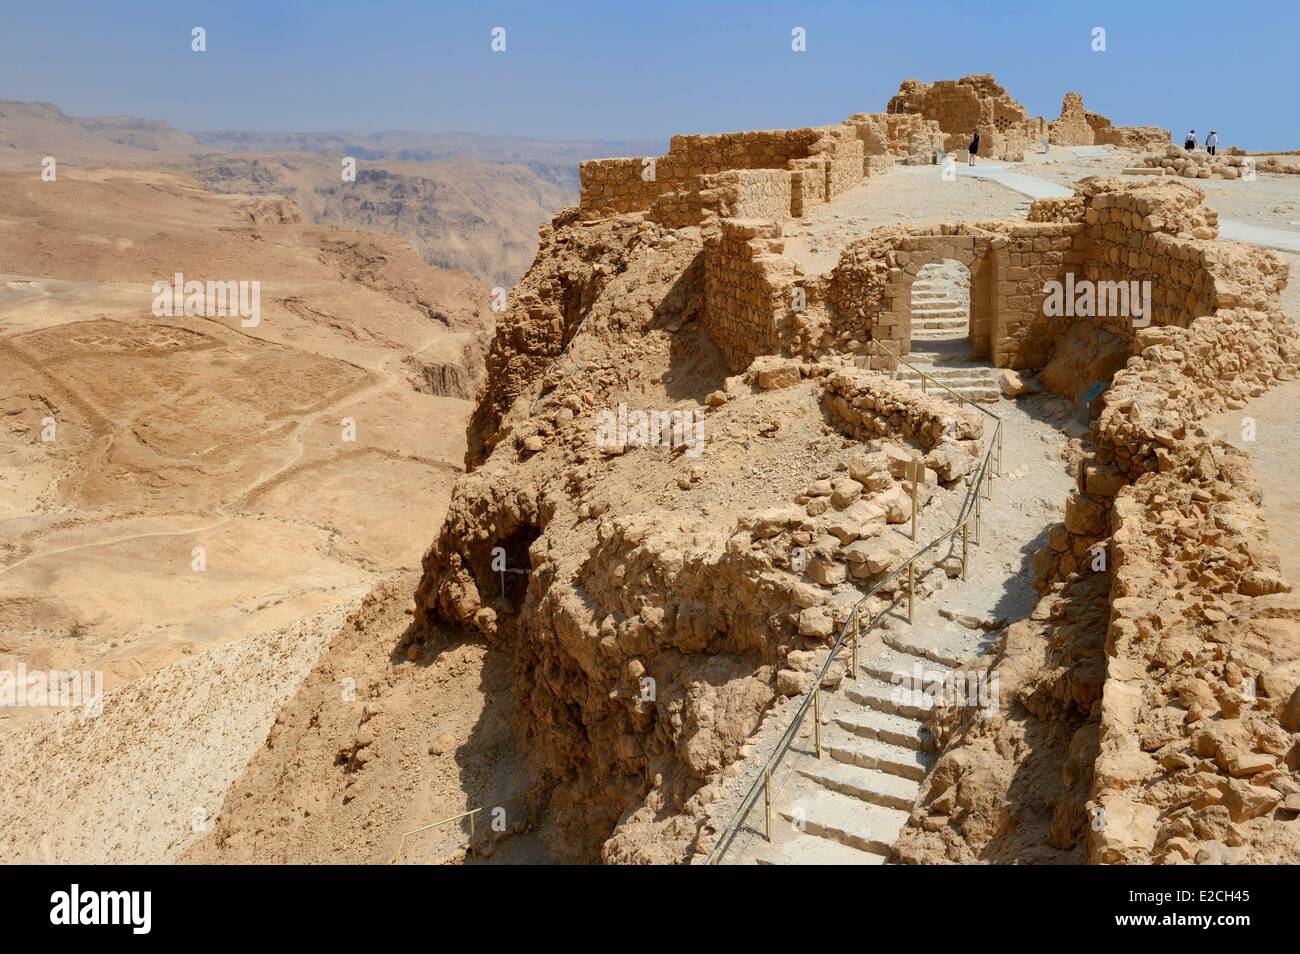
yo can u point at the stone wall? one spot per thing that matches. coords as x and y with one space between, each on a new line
1006 128
748 288
831 153
1199 668
1072 128
1140 253
905 136
972 102
870 289
737 193
608 186
872 404
1127 137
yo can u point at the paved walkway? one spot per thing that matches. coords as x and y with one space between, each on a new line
1036 188
1260 235
1031 186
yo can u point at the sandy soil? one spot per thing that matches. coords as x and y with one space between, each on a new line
342 777
176 433
297 453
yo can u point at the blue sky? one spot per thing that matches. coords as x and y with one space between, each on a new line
621 69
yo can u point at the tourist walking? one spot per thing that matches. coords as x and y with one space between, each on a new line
1212 142
1190 142
974 147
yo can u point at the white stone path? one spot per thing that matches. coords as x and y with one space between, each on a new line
1036 188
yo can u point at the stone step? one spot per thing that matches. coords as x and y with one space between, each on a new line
868 785
942 373
939 335
873 754
882 697
979 395
950 381
849 821
939 321
903 731
814 850
904 642
956 384
902 669
938 310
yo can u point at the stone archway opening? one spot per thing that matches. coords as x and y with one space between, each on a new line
941 309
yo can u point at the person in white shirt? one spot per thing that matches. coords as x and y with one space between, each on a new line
1212 142
1189 141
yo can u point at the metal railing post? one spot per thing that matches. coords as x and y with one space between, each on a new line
857 627
911 590
914 508
965 546
817 717
471 834
767 803
999 429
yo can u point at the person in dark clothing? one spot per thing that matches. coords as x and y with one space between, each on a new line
974 146
1190 142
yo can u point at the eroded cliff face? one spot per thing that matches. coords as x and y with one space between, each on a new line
633 674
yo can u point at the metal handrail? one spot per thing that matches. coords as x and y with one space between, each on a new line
811 698
401 845
961 398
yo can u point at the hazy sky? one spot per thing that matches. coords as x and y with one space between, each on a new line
644 68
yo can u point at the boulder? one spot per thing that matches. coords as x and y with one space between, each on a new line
816 623
950 461
792 683
778 374
1013 385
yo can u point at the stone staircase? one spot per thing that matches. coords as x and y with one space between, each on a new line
936 316
972 380
849 806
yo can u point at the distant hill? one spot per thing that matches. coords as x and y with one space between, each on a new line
30 131
474 215
464 200
553 159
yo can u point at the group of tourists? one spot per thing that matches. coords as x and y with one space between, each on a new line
1211 141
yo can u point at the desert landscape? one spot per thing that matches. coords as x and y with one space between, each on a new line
795 496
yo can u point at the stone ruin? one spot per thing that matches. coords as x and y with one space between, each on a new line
1007 131
651 275
782 173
